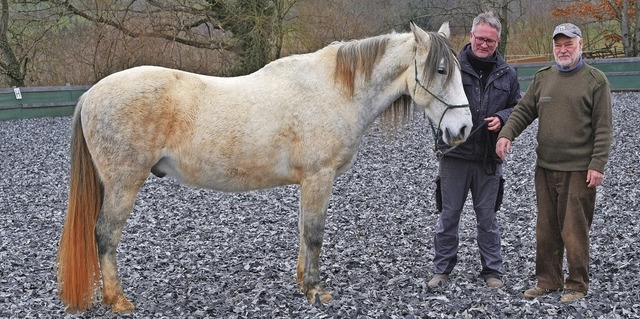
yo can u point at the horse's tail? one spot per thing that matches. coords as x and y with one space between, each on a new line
78 267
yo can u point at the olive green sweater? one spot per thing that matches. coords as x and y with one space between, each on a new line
574 118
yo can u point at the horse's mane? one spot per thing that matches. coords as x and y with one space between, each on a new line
361 56
358 56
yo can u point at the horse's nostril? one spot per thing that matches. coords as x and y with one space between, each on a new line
463 131
447 135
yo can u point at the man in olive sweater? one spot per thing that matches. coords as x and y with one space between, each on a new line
572 102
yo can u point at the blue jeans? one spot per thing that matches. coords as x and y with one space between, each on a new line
457 178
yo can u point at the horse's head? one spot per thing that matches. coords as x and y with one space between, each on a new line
437 84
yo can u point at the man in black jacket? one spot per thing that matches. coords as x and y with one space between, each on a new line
493 90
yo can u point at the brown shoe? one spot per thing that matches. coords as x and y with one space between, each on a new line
537 292
438 280
572 295
494 283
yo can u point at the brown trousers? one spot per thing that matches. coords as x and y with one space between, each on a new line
565 213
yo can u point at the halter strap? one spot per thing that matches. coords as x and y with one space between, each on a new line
434 130
449 106
440 154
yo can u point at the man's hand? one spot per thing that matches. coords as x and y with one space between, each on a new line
594 178
493 123
503 146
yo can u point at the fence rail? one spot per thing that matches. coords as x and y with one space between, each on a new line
623 73
43 101
51 101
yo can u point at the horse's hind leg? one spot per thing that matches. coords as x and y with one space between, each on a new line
315 192
117 206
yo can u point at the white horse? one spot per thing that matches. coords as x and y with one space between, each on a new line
298 120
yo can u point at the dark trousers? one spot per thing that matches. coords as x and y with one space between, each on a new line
457 178
565 213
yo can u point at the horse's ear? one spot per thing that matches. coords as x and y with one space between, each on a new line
445 30
420 34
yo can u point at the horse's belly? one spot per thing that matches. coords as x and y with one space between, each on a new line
222 177
238 181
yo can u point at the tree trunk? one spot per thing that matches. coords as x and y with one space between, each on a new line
625 30
636 38
9 64
504 13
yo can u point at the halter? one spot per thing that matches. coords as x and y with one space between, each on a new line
435 130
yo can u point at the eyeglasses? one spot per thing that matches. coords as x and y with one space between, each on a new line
481 40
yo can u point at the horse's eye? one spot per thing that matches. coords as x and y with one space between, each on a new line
442 71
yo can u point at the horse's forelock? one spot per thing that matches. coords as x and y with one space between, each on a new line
440 50
358 56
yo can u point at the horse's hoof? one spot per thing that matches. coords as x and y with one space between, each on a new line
318 295
121 305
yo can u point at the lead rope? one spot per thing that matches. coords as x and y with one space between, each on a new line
436 136
434 130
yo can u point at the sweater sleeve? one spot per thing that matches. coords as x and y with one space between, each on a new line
524 113
601 119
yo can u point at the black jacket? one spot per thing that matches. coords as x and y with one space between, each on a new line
500 94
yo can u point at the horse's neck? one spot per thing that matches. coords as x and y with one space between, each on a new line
388 82
378 101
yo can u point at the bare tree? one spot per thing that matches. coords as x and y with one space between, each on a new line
601 13
324 21
187 22
637 29
283 8
252 29
462 13
53 42
12 68
530 35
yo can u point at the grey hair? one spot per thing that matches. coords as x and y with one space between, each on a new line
488 18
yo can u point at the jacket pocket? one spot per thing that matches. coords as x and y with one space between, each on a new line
502 86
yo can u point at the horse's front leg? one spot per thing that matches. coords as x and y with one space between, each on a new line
117 207
315 191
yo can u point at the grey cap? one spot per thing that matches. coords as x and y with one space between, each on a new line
568 29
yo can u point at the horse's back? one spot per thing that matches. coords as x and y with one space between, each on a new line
230 134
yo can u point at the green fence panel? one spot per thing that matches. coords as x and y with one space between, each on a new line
33 102
623 73
10 114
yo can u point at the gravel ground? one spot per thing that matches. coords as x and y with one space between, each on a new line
193 253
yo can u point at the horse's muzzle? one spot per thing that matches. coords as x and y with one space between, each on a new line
457 137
